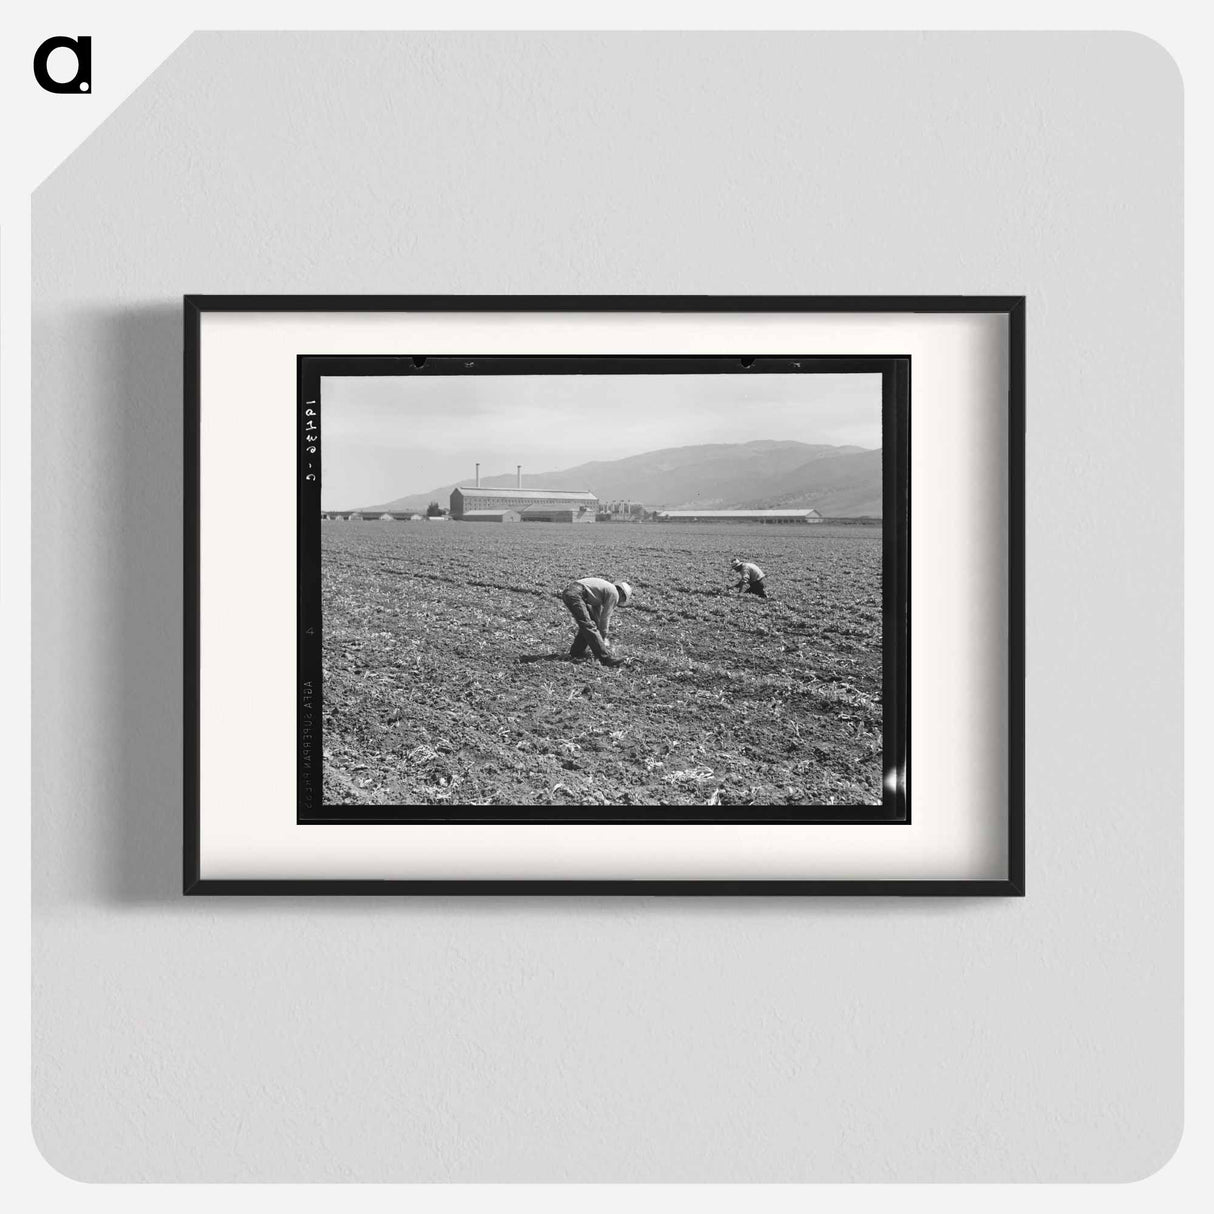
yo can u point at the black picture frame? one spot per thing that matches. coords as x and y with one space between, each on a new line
1011 307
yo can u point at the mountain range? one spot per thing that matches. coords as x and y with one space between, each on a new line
835 481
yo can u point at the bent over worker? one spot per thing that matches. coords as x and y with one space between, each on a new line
590 601
754 581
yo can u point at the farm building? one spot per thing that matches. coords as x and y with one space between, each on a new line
739 516
402 516
559 514
490 516
466 499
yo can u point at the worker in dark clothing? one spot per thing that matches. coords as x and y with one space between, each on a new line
590 601
754 581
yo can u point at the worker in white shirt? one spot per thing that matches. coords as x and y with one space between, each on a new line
754 581
590 601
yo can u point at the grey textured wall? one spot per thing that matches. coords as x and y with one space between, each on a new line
629 1039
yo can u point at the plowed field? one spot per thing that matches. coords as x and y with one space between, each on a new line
445 679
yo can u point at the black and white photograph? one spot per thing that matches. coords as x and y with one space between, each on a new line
580 589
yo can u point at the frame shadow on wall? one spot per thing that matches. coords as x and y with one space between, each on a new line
144 725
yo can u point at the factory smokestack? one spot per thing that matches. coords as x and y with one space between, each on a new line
518 468
478 476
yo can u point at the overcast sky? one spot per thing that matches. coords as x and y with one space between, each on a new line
385 437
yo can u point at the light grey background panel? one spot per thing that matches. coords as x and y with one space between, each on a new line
632 1039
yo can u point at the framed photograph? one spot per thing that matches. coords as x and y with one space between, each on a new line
604 594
